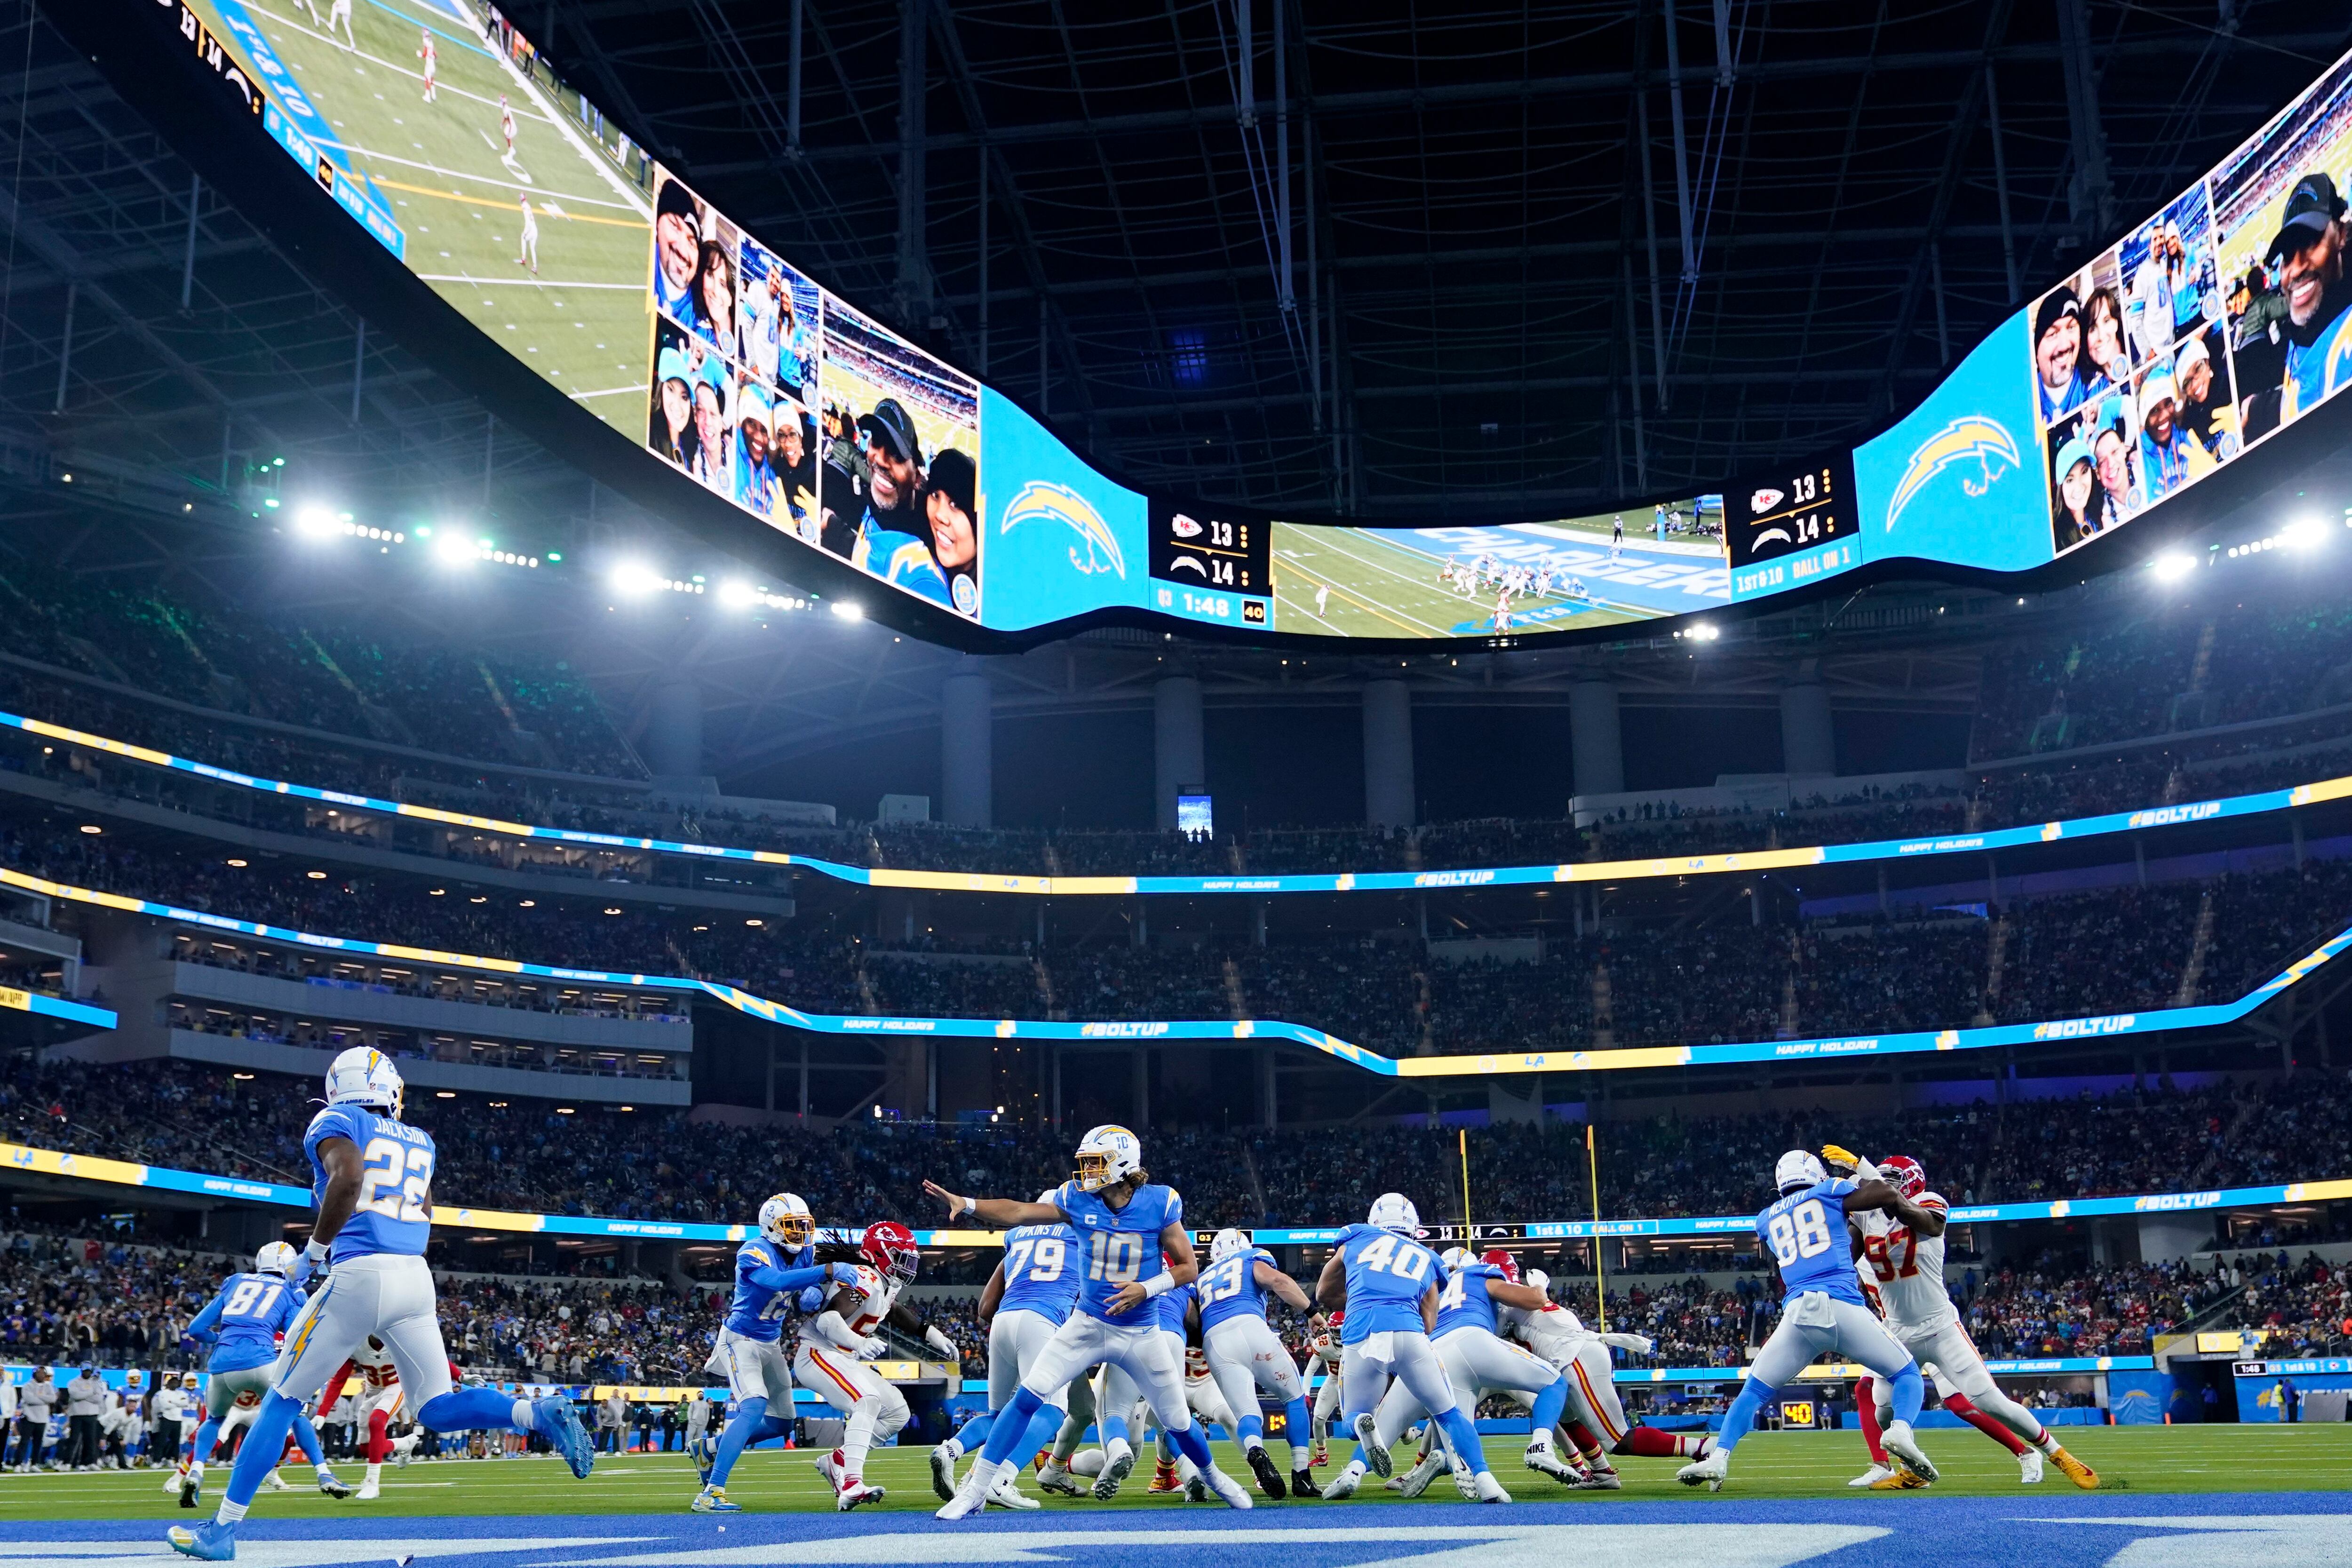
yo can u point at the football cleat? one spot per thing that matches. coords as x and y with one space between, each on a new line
1873 1476
1368 1438
1343 1485
1196 1488
1900 1443
1269 1479
1164 1480
1007 1492
337 1489
1415 1481
855 1492
1597 1481
943 1480
2029 1467
969 1498
2080 1474
1489 1490
190 1487
1229 1490
1114 1472
1464 1483
1544 1462
1319 1454
369 1491
1709 1472
705 1454
1303 1487
552 1414
1904 1479
174 1481
276 1482
1054 1477
212 1541
713 1499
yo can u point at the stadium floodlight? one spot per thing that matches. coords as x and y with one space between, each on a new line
737 595
453 551
633 578
848 611
314 522
2303 534
2172 566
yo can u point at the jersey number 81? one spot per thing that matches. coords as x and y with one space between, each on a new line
1802 1232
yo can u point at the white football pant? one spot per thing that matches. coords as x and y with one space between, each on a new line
1952 1355
1475 1364
875 1409
1815 1321
387 1295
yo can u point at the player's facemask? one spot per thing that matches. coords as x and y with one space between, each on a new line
797 1228
1094 1172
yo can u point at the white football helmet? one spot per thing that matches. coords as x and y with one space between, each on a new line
1454 1258
1798 1168
365 1076
1227 1242
1537 1278
274 1258
1107 1155
785 1220
1394 1211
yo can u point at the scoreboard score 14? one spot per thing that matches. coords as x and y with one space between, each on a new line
1220 553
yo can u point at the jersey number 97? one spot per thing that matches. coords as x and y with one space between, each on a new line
396 1180
1802 1232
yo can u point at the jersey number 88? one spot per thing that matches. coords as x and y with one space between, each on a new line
1802 1232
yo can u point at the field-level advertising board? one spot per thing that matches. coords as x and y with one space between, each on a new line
2205 329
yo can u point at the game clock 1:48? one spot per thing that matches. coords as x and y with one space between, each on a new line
1788 512
1216 551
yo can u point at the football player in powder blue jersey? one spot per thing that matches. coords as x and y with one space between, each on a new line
243 1324
1031 1293
372 1182
1245 1354
1122 1218
1804 1229
1388 1283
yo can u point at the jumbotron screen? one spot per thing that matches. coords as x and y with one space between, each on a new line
438 126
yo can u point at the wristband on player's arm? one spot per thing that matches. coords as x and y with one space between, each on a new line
1159 1283
316 1250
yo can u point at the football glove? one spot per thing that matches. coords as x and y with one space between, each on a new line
942 1343
871 1346
1834 1156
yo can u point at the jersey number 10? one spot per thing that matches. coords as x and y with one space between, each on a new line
1116 1258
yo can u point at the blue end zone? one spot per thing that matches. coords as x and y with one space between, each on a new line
2060 1529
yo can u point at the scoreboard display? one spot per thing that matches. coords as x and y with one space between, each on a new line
1789 514
1211 564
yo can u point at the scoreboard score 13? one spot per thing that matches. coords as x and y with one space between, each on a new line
1811 506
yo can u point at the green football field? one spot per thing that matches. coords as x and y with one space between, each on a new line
582 321
2139 1461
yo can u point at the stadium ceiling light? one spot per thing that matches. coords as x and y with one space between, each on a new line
2303 534
91 828
631 579
2172 566
736 594
316 876
445 1094
848 611
238 863
454 552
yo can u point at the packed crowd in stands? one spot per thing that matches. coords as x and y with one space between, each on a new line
2113 950
529 1155
317 677
2102 688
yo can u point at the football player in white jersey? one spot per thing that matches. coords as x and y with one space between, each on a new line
379 1407
507 124
1597 1425
340 15
432 58
1902 1264
836 1343
1323 1354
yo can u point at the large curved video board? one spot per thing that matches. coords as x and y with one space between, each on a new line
440 128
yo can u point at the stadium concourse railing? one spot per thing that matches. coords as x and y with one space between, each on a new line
1270 1030
2258 803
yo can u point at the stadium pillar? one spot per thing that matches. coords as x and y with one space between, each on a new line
967 751
1142 1090
914 263
1596 741
1388 753
674 733
1177 750
1808 742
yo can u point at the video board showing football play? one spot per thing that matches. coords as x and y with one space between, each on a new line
438 125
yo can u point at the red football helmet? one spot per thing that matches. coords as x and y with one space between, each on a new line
890 1248
1339 1317
1503 1261
1907 1175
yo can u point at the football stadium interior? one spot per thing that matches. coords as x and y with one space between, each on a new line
726 701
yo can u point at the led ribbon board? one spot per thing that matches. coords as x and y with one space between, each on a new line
1462 1065
2255 805
611 303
